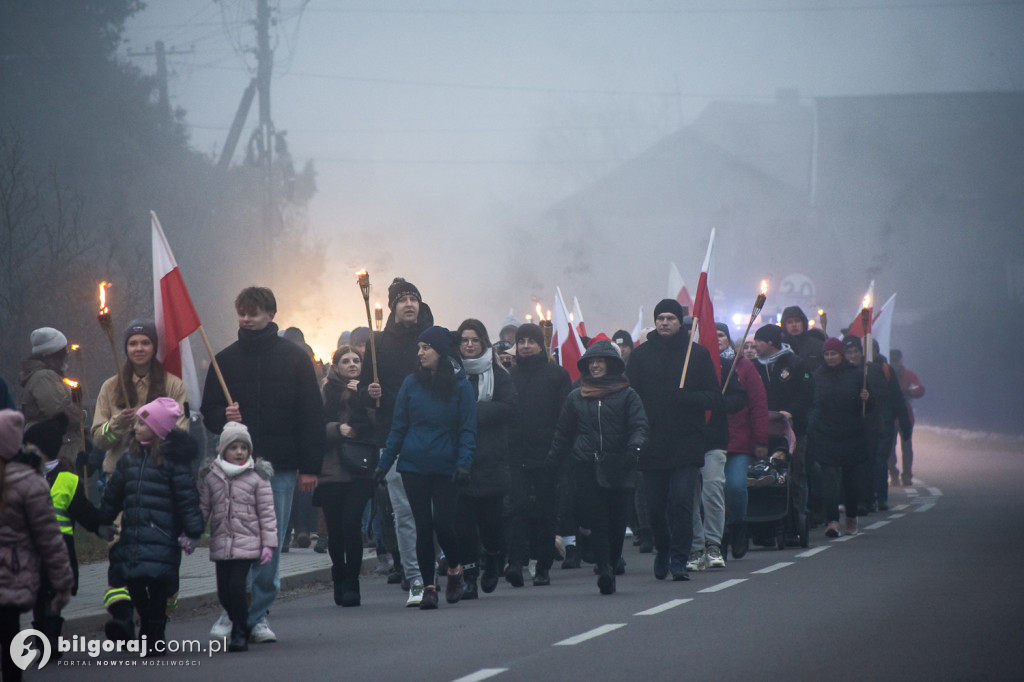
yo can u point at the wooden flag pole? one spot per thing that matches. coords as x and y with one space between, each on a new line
216 367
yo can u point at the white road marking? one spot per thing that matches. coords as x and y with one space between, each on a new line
876 525
845 538
925 507
723 586
811 552
482 674
660 608
774 567
935 492
899 507
896 516
590 634
910 491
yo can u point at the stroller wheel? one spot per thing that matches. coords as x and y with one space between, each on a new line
780 536
805 530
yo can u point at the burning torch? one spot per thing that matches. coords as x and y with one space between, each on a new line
824 319
363 278
758 304
107 325
378 316
865 323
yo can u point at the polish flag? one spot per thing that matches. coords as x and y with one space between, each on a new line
638 328
176 317
703 312
677 288
881 326
564 338
577 317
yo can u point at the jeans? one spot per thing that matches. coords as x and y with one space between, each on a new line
736 466
266 579
405 528
670 505
709 501
432 499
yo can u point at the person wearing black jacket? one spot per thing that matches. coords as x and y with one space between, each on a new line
674 454
600 431
276 395
479 510
396 353
542 387
837 434
805 342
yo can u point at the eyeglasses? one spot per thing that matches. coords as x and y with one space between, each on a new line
470 342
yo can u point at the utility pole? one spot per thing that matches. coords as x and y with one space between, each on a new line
265 65
164 100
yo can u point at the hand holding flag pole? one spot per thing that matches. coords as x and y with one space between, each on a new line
758 304
363 278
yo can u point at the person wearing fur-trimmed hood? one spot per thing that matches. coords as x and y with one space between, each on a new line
236 498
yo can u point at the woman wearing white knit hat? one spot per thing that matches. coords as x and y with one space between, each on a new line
44 394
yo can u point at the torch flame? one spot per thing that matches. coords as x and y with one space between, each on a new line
549 316
867 301
103 298
71 382
75 346
540 315
360 274
821 311
764 287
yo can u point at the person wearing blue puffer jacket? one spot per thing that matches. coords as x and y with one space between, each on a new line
433 437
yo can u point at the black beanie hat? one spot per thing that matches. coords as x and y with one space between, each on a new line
530 331
772 333
438 338
141 326
723 327
669 305
851 341
400 288
622 338
48 435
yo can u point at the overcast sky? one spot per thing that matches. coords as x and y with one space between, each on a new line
456 115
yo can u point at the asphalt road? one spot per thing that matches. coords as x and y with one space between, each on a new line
927 591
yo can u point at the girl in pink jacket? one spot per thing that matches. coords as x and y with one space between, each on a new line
236 498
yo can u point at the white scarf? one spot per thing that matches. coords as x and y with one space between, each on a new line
770 360
483 367
231 470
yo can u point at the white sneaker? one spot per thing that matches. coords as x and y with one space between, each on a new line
222 628
261 633
415 594
697 561
714 557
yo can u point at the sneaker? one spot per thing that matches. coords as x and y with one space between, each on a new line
678 569
455 587
541 578
851 525
697 562
514 574
832 530
469 590
415 594
714 557
221 628
661 565
620 567
606 581
908 481
261 633
321 546
396 575
429 601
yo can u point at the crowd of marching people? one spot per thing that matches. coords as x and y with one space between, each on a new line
462 460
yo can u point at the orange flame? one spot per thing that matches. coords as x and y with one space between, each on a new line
549 316
867 301
821 311
764 287
75 346
103 298
539 313
529 318
71 382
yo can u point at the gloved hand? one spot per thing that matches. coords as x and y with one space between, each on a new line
461 478
187 544
632 458
60 600
380 478
266 554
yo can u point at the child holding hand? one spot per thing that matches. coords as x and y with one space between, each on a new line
236 497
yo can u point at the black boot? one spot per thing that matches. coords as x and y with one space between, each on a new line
470 573
514 574
50 626
154 629
121 626
541 577
339 591
646 541
350 593
738 539
572 557
489 579
605 579
239 638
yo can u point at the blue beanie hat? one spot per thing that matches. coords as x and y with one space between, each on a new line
438 338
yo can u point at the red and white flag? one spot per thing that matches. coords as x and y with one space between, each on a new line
881 326
175 315
703 312
577 317
564 338
638 328
677 288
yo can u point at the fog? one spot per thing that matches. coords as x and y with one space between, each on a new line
489 152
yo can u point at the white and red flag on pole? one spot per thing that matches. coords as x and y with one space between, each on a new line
677 288
638 328
175 315
881 326
577 317
564 338
703 312
856 328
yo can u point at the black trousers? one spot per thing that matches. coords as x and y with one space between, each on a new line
343 505
478 522
10 625
534 510
149 596
232 575
845 483
432 499
670 508
604 511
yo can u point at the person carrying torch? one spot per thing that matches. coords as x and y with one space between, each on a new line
44 394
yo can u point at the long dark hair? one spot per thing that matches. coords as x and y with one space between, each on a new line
441 382
157 384
477 326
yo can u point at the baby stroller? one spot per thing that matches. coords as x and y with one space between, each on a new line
772 515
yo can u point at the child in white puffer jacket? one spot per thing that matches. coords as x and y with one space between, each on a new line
236 498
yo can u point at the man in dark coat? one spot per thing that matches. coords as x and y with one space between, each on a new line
671 460
275 392
396 350
805 342
542 387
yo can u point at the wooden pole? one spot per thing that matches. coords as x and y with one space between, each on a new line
216 367
689 350
865 322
